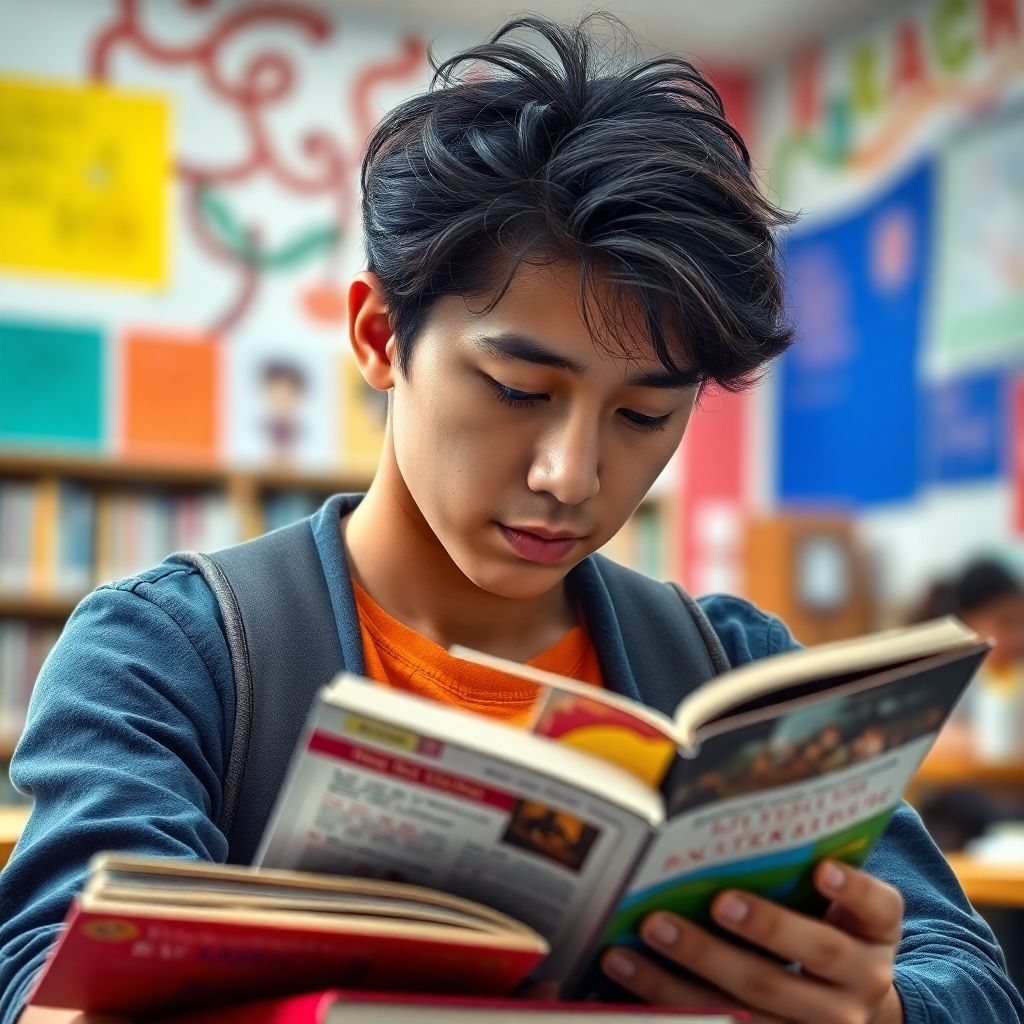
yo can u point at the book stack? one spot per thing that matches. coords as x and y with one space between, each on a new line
420 848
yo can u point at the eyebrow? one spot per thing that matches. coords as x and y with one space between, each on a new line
521 347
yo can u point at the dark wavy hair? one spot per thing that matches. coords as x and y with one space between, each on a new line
978 585
557 149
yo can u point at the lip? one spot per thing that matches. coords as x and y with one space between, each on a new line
544 533
536 546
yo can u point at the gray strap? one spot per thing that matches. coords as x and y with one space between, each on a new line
283 641
671 646
234 632
711 639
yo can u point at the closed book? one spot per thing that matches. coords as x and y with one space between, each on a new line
154 935
336 1006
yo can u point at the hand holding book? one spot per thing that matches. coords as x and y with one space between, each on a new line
846 960
761 778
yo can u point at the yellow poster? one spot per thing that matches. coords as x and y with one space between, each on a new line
364 414
84 173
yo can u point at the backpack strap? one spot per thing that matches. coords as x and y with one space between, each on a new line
283 641
282 637
671 645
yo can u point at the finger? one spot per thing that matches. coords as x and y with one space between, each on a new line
541 991
746 976
871 909
658 987
821 949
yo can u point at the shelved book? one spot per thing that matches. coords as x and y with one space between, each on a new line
24 646
601 811
341 1007
150 934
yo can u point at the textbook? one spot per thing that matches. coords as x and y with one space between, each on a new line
152 934
342 1007
601 810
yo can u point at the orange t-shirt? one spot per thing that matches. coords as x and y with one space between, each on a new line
398 656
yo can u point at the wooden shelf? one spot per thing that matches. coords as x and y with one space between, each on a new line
966 770
178 474
26 606
986 883
12 824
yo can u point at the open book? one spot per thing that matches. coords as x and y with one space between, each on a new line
151 934
602 810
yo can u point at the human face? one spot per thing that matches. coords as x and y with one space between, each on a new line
1002 621
524 445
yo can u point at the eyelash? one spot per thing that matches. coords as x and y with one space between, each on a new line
517 399
526 400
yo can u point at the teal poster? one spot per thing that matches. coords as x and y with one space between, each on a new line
51 385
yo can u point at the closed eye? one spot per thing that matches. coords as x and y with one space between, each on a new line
517 399
642 422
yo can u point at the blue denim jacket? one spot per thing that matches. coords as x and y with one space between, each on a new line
130 727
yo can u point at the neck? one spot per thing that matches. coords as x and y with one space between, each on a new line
396 558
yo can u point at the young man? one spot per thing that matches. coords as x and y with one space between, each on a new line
560 255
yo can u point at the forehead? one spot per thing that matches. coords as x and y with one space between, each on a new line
545 303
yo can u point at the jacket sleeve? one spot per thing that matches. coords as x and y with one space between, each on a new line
949 967
127 733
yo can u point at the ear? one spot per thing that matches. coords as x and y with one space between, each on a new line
369 331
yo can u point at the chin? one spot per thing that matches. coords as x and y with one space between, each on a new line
513 582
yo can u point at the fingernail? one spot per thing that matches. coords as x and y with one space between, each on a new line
732 909
662 931
619 965
833 876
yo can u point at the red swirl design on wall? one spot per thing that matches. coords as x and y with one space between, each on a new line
267 78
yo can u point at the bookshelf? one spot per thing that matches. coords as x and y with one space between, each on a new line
36 599
46 497
36 607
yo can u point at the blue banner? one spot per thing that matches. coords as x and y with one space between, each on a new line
848 416
967 428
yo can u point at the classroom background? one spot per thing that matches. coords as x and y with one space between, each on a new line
179 217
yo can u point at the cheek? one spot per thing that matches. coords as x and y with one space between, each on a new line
456 448
631 471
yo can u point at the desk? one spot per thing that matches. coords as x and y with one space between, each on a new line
988 883
963 769
12 822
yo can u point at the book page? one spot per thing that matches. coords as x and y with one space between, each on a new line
766 801
367 797
598 722
817 666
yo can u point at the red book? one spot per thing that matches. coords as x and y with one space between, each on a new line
336 1006
150 935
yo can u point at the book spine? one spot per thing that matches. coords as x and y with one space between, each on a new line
44 533
75 546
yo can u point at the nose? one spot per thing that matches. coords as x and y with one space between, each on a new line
567 461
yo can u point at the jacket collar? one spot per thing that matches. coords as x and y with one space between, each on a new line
585 582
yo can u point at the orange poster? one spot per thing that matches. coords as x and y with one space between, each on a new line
172 384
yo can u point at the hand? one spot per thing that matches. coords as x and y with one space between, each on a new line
846 960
